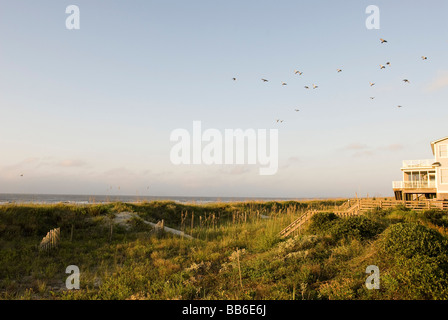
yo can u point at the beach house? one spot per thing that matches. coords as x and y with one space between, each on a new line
425 179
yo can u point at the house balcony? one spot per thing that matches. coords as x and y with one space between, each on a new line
414 184
417 164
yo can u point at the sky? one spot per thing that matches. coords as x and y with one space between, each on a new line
90 111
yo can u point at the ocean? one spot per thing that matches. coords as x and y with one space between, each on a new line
6 198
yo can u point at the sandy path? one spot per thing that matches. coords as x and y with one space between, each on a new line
123 217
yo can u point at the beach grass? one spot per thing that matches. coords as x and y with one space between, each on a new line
235 253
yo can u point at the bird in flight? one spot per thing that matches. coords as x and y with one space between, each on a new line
21 175
382 40
296 110
339 70
298 72
388 63
406 80
306 87
372 98
234 79
398 106
278 120
372 83
314 86
382 67
284 83
265 80
424 58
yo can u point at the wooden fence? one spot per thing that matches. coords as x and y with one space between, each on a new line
360 206
293 226
51 240
371 204
344 210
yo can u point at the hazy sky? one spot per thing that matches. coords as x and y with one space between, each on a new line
90 111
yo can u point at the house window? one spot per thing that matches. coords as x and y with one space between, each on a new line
444 176
443 151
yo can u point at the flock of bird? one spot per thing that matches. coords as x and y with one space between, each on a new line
314 86
297 72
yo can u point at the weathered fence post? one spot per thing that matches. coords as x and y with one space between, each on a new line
71 233
111 230
160 227
51 240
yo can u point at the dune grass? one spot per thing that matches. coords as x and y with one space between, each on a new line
236 253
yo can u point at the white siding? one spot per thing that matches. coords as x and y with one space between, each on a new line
441 151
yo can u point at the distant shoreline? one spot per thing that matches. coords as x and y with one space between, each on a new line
9 198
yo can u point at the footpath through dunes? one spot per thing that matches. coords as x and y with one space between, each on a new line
123 219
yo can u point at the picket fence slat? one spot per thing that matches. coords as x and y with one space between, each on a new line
51 240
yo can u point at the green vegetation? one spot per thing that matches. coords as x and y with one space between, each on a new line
326 260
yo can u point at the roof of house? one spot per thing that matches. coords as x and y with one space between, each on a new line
436 141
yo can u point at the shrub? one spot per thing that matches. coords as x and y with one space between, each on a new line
340 289
378 213
322 221
437 217
411 239
419 277
397 216
358 227
138 225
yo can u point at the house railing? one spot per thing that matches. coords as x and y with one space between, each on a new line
413 184
418 163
